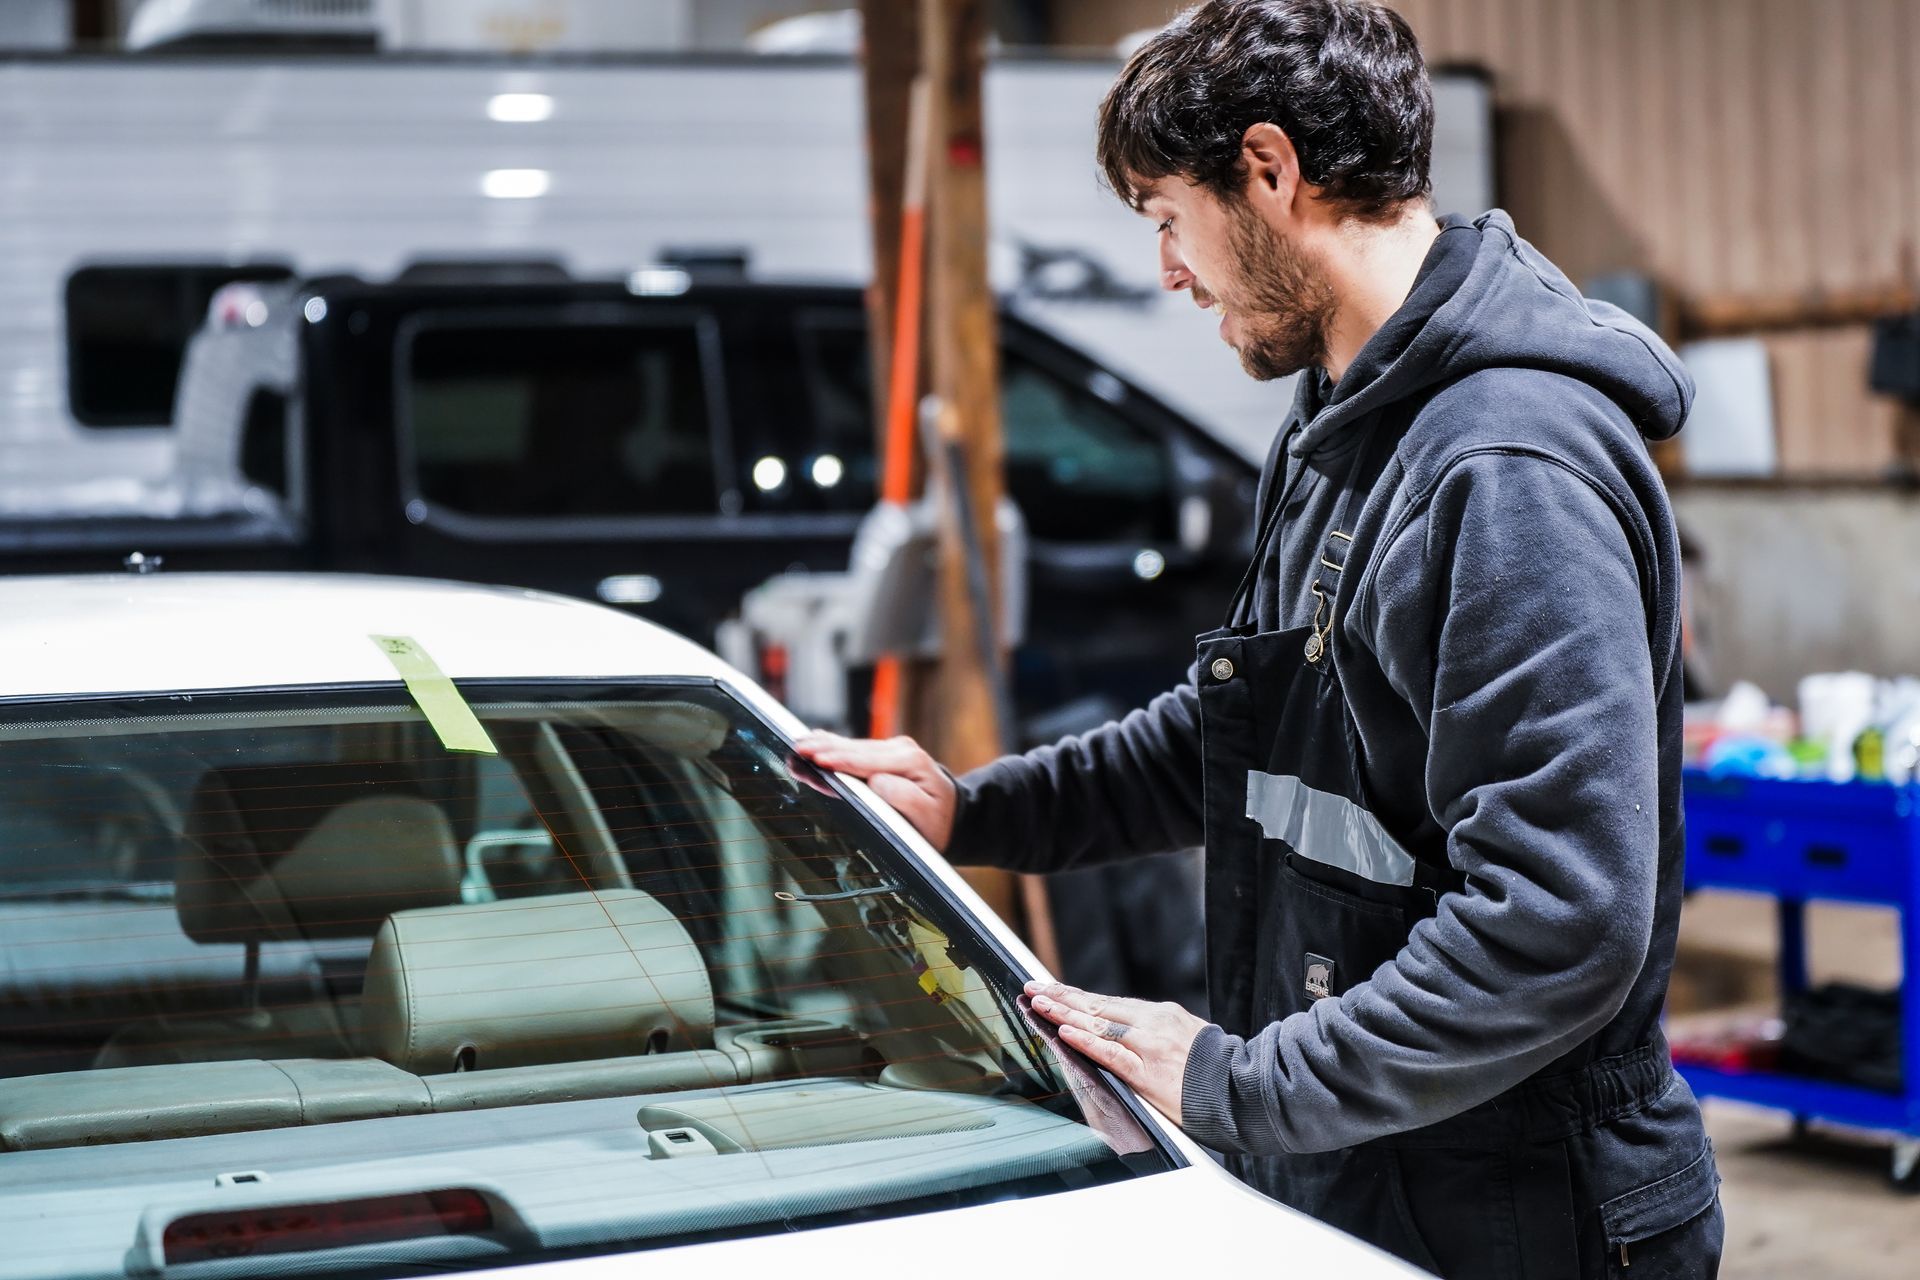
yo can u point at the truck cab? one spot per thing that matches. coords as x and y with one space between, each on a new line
668 442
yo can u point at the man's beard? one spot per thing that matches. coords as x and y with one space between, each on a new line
1282 301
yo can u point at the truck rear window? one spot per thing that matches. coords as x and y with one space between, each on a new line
127 330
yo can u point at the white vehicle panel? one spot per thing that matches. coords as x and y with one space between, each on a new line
107 634
1168 1224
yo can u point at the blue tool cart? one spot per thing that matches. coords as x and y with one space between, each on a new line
1799 842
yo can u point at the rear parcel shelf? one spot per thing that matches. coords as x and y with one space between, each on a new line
195 1099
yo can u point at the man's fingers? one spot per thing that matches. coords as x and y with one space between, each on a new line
1097 1014
914 804
1119 1008
814 741
1111 1054
1072 997
864 757
1067 1016
900 772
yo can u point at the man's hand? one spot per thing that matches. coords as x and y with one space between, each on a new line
1144 1044
900 772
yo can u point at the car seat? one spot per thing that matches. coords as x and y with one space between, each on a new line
534 980
523 1001
573 995
293 854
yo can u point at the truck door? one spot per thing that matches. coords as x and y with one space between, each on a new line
585 449
1132 520
1130 531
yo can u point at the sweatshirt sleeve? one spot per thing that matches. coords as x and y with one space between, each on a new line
1511 617
1126 789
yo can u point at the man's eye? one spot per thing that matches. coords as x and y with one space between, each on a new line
1165 226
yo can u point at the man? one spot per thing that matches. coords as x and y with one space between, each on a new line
1435 749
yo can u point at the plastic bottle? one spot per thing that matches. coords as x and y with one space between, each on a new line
1870 756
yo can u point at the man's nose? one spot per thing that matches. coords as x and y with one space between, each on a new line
1174 275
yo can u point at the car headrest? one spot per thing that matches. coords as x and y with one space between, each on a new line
534 980
287 852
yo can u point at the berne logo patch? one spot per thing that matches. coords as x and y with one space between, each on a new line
1319 976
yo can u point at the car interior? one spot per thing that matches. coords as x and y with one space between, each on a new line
638 896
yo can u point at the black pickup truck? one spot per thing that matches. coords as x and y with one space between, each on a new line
664 443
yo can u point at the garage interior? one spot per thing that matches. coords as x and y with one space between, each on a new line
1741 175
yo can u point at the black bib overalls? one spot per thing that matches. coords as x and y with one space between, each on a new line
1308 894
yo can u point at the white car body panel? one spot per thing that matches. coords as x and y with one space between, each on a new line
161 631
166 633
1169 1225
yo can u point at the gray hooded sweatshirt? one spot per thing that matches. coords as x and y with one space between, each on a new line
1511 664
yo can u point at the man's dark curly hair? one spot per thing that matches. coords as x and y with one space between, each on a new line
1344 78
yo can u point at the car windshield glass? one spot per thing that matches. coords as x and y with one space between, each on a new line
280 974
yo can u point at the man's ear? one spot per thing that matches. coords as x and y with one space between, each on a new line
1273 166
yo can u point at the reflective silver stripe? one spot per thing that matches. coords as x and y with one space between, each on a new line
1326 828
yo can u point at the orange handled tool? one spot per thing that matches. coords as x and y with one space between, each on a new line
896 478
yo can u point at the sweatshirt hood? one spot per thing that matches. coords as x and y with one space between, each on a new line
1485 299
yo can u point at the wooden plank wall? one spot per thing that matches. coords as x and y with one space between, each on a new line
1760 149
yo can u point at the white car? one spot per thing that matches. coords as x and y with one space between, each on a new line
306 969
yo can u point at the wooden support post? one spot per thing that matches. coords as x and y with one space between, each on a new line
949 705
963 364
954 709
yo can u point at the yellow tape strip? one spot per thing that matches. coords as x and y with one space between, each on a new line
434 694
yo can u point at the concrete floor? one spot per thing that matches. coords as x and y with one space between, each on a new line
1818 1206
